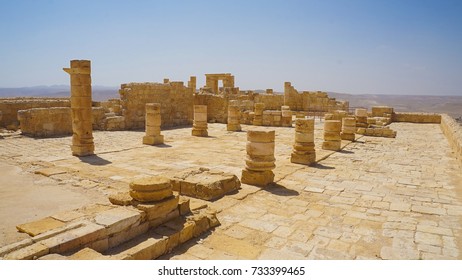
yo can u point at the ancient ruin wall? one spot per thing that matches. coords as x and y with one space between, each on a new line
176 103
453 132
311 101
10 107
46 122
272 101
417 117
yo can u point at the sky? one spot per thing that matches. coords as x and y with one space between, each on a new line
349 46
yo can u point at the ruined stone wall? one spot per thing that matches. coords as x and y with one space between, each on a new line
10 107
272 101
217 106
417 117
311 101
453 132
176 103
46 122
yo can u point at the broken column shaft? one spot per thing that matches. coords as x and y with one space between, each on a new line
153 123
200 121
234 116
332 139
304 152
258 117
81 112
260 158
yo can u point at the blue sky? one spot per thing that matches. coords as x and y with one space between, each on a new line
355 46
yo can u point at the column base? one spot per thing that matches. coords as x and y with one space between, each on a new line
233 127
257 178
153 140
331 145
306 159
199 132
347 136
81 151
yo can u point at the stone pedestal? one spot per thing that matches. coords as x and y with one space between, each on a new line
286 116
348 129
234 116
81 112
153 122
260 158
151 189
304 152
258 116
332 139
200 121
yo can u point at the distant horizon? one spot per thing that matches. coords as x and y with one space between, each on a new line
360 46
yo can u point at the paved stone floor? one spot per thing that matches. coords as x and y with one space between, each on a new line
379 198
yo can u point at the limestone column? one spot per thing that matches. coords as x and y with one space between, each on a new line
348 129
361 118
81 113
332 139
286 116
153 122
192 83
304 152
233 118
260 158
200 121
258 117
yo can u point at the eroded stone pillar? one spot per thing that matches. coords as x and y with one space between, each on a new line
81 112
260 158
332 139
234 116
286 116
151 189
304 152
153 123
348 129
192 83
200 121
258 116
361 118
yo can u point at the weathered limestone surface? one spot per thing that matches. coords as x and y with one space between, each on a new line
361 118
311 101
200 121
332 139
205 184
234 116
416 117
45 122
348 129
377 131
10 107
303 150
153 123
258 114
286 116
81 112
453 132
151 189
260 158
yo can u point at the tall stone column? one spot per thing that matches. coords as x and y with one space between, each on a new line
304 152
153 122
234 116
82 137
260 158
200 121
286 116
258 117
332 140
348 129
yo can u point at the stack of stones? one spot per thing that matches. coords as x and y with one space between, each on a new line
286 118
234 116
151 189
153 122
258 116
200 121
303 151
81 111
348 129
260 158
361 118
332 139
